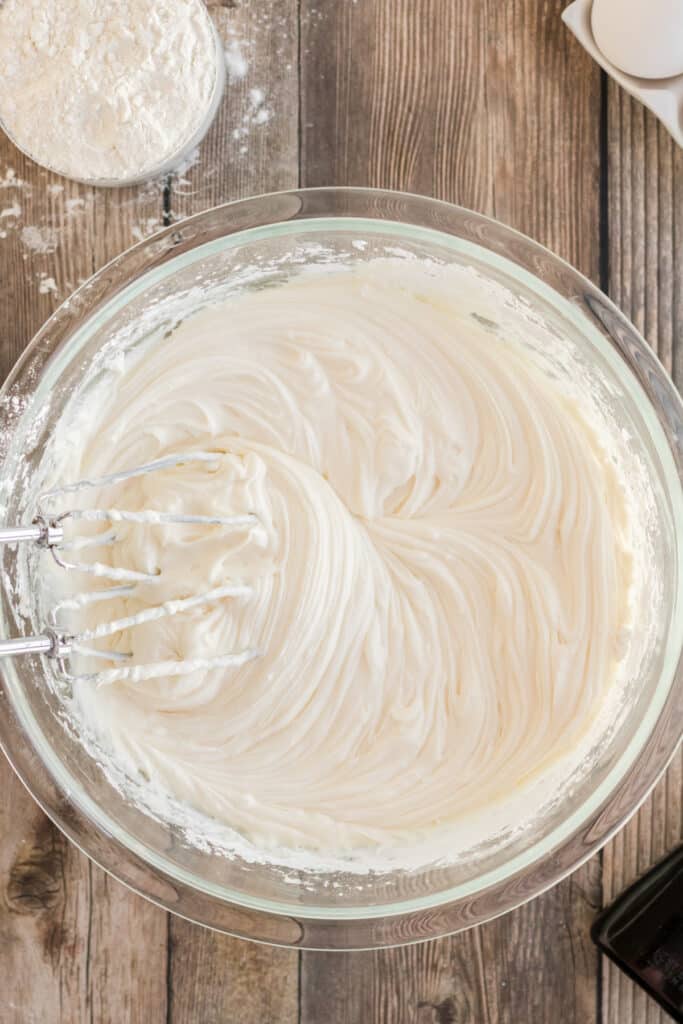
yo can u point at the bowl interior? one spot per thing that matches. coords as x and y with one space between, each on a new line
550 301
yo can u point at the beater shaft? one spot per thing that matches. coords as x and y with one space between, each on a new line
42 531
57 645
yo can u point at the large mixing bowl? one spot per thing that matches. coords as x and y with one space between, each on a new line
252 244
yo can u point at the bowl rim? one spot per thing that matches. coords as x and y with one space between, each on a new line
404 921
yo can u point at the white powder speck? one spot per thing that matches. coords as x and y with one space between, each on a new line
55 190
256 115
39 240
11 211
74 205
259 114
47 285
236 63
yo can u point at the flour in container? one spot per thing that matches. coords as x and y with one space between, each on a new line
107 91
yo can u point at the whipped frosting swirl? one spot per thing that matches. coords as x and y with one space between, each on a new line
438 580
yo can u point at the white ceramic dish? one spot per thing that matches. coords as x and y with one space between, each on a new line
664 97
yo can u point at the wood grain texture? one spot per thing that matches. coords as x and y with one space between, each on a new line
441 982
44 914
645 221
486 104
216 979
491 106
517 969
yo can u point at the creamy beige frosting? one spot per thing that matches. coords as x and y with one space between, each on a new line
438 578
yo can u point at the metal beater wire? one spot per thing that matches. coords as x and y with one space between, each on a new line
48 532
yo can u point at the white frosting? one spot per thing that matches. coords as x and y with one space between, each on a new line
439 577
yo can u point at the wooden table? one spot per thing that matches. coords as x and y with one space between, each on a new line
490 104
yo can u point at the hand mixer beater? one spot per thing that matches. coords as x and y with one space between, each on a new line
48 531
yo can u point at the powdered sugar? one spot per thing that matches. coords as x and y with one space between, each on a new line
236 63
105 92
258 113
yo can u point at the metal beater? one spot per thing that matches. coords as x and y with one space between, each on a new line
47 531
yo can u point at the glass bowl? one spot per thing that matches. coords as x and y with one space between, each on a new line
254 243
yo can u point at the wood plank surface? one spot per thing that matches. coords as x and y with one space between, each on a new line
645 229
491 106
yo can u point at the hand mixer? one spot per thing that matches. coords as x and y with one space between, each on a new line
47 531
